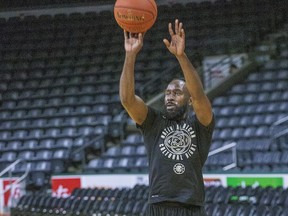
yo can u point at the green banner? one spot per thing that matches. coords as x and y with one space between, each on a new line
252 181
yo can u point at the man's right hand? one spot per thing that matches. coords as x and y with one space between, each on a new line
133 42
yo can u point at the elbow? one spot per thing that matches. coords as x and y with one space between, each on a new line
125 100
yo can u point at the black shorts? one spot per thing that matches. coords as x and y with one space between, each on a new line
174 209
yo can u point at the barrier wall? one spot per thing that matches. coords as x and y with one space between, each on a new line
63 185
11 196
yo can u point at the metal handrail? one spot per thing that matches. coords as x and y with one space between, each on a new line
10 166
281 133
228 59
280 121
21 178
87 144
224 148
98 137
275 135
8 169
216 64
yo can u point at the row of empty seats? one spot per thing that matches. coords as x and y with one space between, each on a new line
60 75
248 120
255 98
49 3
57 132
226 201
56 111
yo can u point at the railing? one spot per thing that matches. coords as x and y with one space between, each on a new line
18 180
279 128
223 68
279 132
87 144
10 167
225 148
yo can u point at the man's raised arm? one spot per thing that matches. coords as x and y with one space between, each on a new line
133 104
199 100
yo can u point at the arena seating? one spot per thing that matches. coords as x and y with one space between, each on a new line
59 84
245 115
8 4
220 200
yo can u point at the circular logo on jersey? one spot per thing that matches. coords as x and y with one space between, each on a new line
179 168
178 142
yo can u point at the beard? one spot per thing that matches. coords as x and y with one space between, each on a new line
176 114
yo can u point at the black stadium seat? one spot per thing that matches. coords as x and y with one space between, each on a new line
219 201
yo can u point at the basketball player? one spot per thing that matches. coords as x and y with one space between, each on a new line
177 140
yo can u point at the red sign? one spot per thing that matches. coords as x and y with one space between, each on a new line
212 182
63 187
13 192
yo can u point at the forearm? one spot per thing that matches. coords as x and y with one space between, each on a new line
192 79
127 80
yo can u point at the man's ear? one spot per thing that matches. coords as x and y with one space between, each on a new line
190 101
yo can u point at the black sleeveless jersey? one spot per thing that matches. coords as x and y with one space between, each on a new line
176 153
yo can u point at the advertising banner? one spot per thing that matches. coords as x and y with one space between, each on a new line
255 181
63 186
10 193
213 182
121 180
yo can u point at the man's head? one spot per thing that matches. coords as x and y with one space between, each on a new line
177 99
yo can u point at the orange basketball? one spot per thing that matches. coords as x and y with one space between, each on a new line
135 16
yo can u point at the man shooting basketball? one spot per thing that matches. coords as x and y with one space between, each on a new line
177 141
